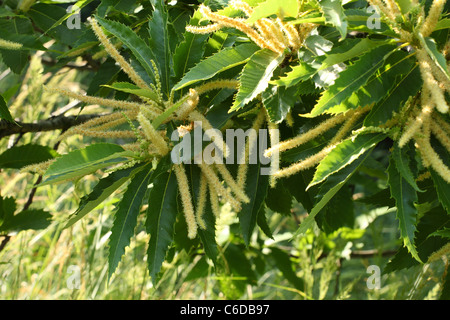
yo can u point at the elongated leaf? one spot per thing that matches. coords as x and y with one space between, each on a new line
285 265
27 220
430 45
407 86
21 156
138 47
278 101
256 189
255 76
261 220
329 188
85 161
159 44
402 163
350 80
345 153
299 73
267 8
334 15
405 196
161 216
219 62
104 188
190 51
133 89
126 216
381 82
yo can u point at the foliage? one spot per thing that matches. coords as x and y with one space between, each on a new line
356 107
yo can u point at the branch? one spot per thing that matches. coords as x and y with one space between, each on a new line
50 124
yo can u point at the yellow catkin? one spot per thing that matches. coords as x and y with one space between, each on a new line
215 207
305 164
206 125
424 176
264 27
202 194
218 84
441 123
228 178
440 134
243 167
9 45
274 134
443 251
289 119
414 125
432 19
203 30
293 36
114 53
243 6
307 136
188 208
237 24
430 82
112 134
118 104
188 106
153 135
38 168
217 186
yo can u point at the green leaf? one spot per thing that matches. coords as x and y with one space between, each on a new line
344 154
27 220
7 208
286 266
299 73
85 161
350 80
159 44
278 101
444 233
381 82
4 111
285 8
402 162
406 87
190 51
138 47
126 216
405 196
256 189
334 15
430 45
279 199
133 89
21 156
255 76
261 220
328 189
161 216
219 62
102 190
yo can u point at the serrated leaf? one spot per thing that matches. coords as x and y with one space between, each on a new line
4 111
267 8
299 73
328 189
133 89
402 163
350 80
278 101
439 59
159 44
31 219
261 220
7 208
381 82
334 15
126 216
217 63
256 189
21 156
102 190
406 87
190 51
85 161
344 154
279 199
255 76
444 233
405 197
138 47
106 74
161 216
